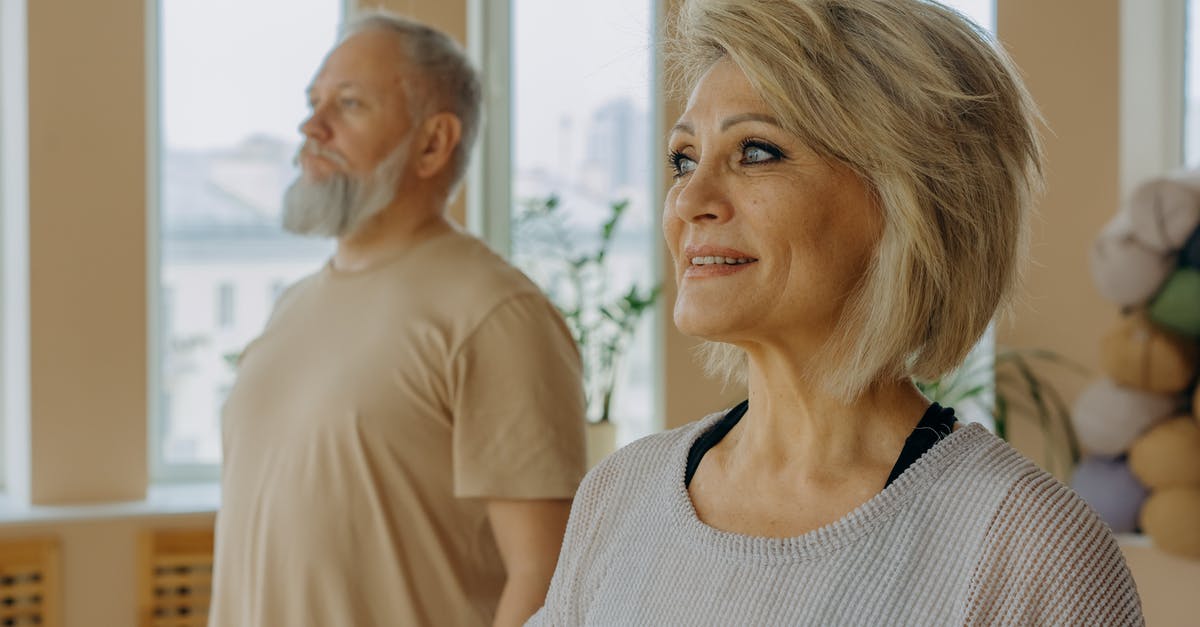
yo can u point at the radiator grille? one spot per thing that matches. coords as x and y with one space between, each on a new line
177 577
29 582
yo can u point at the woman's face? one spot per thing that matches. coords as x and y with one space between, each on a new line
768 238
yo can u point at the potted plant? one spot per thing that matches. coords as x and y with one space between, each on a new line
602 311
1005 384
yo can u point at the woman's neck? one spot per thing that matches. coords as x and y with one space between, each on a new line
793 423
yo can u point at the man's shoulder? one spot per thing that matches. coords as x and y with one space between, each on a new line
461 267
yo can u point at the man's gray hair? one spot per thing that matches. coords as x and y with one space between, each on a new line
445 72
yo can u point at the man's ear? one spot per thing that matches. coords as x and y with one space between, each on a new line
440 135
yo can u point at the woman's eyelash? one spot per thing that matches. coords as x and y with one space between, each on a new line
766 147
674 158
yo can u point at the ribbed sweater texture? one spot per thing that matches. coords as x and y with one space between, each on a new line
973 533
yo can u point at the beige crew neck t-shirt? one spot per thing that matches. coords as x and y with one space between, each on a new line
368 426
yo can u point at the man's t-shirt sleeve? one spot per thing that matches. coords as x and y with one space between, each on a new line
517 400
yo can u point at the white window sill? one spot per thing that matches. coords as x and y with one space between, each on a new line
161 500
1134 540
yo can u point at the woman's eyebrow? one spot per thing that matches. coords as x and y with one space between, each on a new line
729 122
747 117
683 127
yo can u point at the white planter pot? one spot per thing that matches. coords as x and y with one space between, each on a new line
601 440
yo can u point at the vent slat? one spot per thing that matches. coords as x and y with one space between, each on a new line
173 605
193 621
199 579
184 560
176 578
21 590
29 582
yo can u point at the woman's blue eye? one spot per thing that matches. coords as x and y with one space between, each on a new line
349 103
681 165
755 154
757 151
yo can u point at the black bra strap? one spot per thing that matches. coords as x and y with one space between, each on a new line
936 424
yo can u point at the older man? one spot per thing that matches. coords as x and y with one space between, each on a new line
404 439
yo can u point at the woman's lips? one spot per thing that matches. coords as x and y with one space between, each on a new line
713 261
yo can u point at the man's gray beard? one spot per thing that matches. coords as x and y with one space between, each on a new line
338 205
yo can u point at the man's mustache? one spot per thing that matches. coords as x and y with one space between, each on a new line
316 150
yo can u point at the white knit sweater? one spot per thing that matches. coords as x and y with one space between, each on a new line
972 533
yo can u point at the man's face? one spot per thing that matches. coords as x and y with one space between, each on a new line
360 112
357 138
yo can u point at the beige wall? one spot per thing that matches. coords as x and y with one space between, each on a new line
1070 58
87 234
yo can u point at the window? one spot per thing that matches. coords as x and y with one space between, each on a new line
582 129
227 131
982 12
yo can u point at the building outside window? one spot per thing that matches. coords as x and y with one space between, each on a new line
228 115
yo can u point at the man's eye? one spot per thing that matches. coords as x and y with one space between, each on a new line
350 103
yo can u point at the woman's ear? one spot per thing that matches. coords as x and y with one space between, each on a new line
440 135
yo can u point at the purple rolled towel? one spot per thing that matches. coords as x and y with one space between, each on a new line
1111 490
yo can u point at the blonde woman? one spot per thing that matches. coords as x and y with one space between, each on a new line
852 184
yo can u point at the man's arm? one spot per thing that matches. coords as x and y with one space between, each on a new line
529 534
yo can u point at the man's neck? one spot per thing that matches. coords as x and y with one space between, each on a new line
394 230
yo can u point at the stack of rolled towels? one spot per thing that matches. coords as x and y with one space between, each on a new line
1139 424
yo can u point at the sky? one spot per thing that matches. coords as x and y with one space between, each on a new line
570 58
233 68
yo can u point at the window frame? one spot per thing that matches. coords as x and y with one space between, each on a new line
1153 63
14 238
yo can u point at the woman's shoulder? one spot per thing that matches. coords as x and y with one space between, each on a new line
1003 491
661 455
982 461
1035 533
658 452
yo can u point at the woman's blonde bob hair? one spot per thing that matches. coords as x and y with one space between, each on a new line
931 113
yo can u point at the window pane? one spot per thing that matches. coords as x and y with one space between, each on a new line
982 12
582 133
232 80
